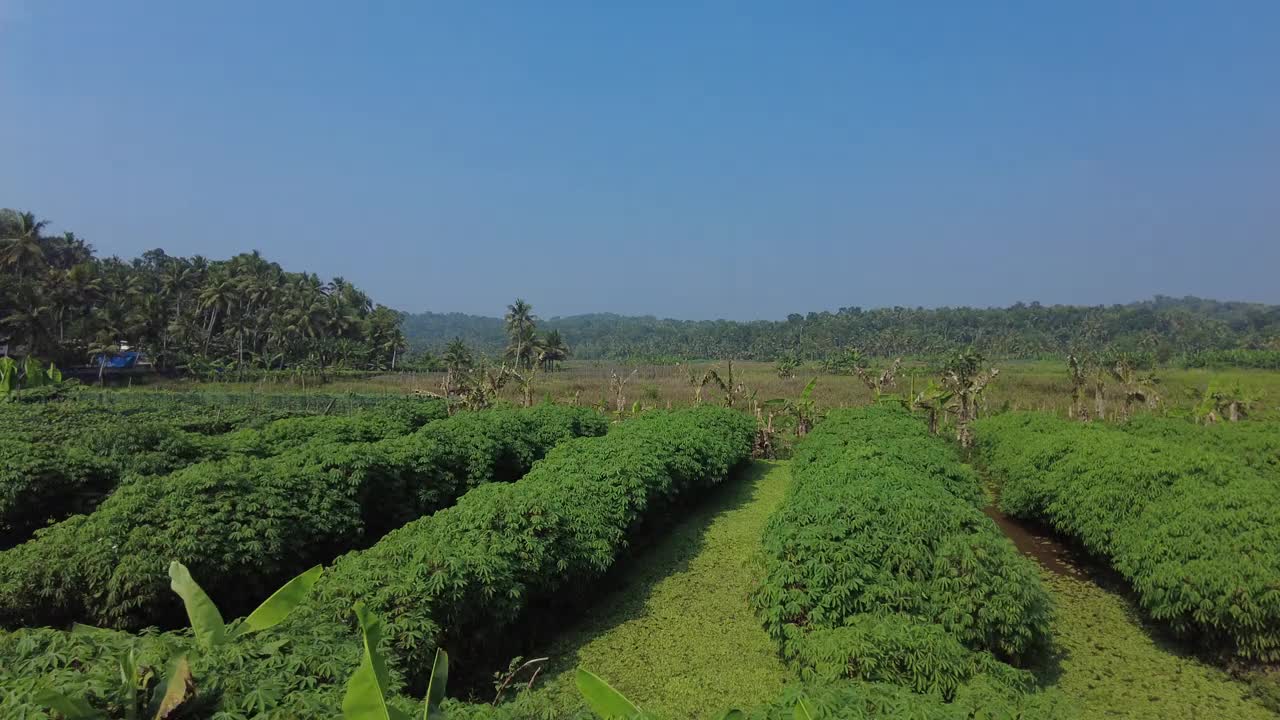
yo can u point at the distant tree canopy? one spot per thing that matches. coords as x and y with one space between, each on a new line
1163 329
60 302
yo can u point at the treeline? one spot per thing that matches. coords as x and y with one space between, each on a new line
1167 328
61 302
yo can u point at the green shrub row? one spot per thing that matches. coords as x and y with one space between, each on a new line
1254 443
464 575
245 523
561 525
880 566
83 452
1196 533
388 420
39 482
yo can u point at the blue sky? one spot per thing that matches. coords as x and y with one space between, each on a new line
685 159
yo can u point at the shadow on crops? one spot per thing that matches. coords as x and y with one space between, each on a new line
661 548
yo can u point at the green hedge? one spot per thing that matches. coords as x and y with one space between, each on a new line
1254 443
463 575
881 566
245 524
1196 533
40 482
44 481
385 421
65 457
475 564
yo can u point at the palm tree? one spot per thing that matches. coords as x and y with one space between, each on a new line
456 357
521 326
217 297
20 241
554 350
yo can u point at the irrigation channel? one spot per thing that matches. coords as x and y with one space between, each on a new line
676 634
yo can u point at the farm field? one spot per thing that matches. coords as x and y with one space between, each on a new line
639 361
1022 385
862 573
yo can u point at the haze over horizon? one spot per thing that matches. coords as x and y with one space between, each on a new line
714 160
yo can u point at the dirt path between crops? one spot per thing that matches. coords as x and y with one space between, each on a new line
1116 663
678 637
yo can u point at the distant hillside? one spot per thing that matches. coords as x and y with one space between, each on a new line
1165 327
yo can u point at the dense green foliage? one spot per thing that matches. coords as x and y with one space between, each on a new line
59 301
466 573
244 523
881 566
561 525
1258 359
61 458
1166 327
1196 533
39 482
1256 444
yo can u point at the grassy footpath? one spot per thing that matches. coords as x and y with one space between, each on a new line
678 637
1118 668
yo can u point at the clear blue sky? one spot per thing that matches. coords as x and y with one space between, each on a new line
684 159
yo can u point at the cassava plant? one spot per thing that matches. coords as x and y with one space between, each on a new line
133 693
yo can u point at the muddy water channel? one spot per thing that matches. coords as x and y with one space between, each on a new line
1036 542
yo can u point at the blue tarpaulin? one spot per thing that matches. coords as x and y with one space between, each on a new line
122 360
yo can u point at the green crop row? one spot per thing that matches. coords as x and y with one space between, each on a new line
1256 444
68 456
472 568
245 523
463 575
880 566
1195 532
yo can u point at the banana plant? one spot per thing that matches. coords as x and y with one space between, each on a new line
206 620
609 704
33 374
936 401
801 411
210 631
8 374
366 695
28 374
